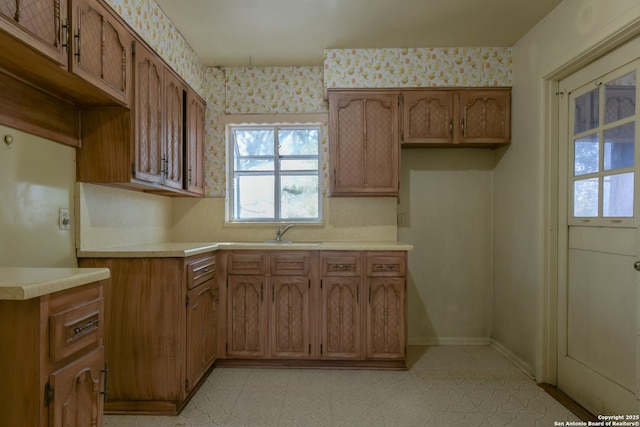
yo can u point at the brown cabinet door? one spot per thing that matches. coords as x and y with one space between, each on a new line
201 331
77 398
427 117
173 130
41 24
246 317
485 116
195 143
341 318
148 71
290 328
100 48
363 135
386 318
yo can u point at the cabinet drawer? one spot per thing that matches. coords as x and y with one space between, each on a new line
246 263
290 264
341 264
75 329
200 271
386 265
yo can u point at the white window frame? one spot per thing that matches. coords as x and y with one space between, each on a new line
261 122
602 173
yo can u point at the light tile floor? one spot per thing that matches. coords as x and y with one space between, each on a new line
444 386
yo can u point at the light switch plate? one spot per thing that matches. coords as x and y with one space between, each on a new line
64 221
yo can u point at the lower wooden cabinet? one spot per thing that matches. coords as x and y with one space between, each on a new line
160 330
201 331
269 298
341 318
52 362
313 308
77 397
386 318
246 317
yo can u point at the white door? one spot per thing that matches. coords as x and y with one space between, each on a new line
598 298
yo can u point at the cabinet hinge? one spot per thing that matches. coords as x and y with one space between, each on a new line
320 283
320 349
309 283
402 137
401 100
48 394
187 301
186 385
309 348
133 168
226 347
133 48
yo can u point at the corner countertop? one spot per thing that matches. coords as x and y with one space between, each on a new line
186 249
22 283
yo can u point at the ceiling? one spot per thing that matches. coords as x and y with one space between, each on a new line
295 32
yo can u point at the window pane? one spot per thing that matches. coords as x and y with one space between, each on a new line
587 111
254 142
585 198
299 197
255 196
298 142
617 197
620 98
586 154
300 165
619 146
252 164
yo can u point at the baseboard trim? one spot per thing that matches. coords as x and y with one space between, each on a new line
450 341
525 367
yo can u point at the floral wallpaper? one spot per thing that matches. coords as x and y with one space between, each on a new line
257 90
147 19
417 67
278 90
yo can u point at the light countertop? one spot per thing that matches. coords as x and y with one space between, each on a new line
186 249
22 283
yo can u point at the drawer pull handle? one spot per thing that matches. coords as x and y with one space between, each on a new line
386 268
87 325
341 267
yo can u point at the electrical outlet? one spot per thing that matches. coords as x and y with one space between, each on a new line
64 220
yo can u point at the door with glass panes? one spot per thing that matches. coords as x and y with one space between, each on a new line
598 301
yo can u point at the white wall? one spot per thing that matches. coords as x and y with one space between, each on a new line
446 198
568 32
36 179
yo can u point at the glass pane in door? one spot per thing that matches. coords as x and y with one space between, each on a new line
585 198
617 195
587 112
619 147
586 154
620 98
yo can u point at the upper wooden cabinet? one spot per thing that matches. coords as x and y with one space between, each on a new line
363 139
100 49
156 146
477 118
485 116
39 24
195 143
79 50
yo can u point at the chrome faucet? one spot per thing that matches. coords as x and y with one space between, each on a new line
280 232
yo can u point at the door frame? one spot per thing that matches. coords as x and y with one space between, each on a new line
547 362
